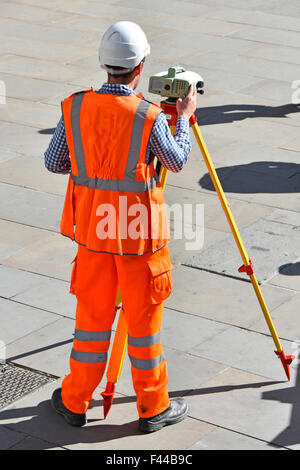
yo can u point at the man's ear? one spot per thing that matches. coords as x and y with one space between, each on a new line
140 68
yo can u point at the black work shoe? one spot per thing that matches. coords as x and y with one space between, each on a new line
74 419
176 412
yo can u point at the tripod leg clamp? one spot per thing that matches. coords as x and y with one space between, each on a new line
247 269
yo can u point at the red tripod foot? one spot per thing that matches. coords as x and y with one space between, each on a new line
286 362
108 397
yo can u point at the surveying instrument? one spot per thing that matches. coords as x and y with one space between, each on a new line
172 85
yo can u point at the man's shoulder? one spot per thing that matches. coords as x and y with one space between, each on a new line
76 93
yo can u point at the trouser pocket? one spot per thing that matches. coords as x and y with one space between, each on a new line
161 279
73 287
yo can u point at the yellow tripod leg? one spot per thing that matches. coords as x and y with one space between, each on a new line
116 361
248 268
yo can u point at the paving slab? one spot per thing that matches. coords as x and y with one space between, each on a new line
118 431
32 90
136 9
47 349
254 190
246 350
289 276
15 237
253 66
256 18
200 46
292 8
49 33
180 249
36 49
268 35
88 80
284 217
51 256
249 404
256 131
9 438
285 318
194 330
28 13
221 298
38 68
279 52
30 172
32 443
23 320
23 140
269 245
51 295
190 203
14 281
185 373
271 89
6 154
293 144
34 114
226 81
30 207
268 160
223 439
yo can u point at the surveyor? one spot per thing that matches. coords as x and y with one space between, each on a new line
114 209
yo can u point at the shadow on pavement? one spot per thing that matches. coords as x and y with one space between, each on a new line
257 177
53 431
47 131
238 112
291 435
290 269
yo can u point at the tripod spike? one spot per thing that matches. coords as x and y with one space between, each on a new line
108 397
286 362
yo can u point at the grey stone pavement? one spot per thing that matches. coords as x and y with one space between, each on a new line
219 351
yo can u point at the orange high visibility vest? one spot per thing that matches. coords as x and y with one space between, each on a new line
114 201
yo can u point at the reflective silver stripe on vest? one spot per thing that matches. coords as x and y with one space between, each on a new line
76 132
116 185
88 357
146 364
128 184
144 341
82 335
136 141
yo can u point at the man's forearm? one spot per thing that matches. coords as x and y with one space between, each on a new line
171 151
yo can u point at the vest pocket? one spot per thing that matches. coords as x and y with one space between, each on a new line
161 280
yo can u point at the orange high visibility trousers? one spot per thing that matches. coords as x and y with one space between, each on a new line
145 282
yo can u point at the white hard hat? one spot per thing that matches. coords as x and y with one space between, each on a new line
124 45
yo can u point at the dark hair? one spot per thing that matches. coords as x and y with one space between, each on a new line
119 75
123 76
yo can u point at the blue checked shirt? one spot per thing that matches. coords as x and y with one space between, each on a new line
171 152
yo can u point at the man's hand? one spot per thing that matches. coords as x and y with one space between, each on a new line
186 106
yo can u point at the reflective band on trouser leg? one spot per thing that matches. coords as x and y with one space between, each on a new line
144 341
88 357
82 335
87 364
146 364
149 373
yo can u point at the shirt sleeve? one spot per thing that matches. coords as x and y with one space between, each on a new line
171 151
57 156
